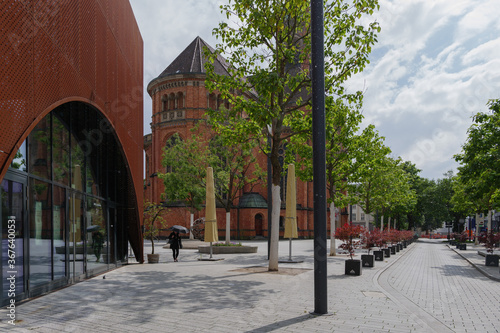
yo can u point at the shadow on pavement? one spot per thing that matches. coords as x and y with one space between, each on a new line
283 323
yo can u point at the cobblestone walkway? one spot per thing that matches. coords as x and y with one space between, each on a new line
443 290
425 288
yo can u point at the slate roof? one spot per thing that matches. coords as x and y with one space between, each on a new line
192 61
252 200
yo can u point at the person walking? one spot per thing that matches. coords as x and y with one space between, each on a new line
175 243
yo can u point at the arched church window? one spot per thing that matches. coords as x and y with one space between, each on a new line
180 100
171 101
164 103
212 101
220 102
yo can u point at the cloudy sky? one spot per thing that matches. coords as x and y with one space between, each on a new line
436 64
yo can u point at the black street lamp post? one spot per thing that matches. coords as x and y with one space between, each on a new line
319 158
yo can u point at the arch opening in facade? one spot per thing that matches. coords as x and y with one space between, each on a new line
73 172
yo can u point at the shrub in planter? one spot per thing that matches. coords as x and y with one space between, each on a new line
379 241
393 238
350 234
369 240
383 245
490 240
464 236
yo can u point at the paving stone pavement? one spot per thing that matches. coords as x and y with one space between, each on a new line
427 287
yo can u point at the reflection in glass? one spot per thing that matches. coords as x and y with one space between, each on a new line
76 235
11 197
97 234
59 218
19 162
39 149
60 148
40 236
77 166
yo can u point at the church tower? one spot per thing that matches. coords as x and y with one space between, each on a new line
179 101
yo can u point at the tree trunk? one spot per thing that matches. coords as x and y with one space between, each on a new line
191 222
367 223
489 222
333 225
382 222
389 223
228 227
275 229
476 242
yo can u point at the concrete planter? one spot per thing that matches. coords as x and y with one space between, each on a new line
492 260
379 255
153 258
227 249
368 260
463 247
353 267
387 252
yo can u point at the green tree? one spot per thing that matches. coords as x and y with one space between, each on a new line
417 184
367 183
153 222
233 160
268 54
399 194
186 162
479 170
342 149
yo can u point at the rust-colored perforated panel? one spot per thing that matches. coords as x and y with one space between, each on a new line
53 52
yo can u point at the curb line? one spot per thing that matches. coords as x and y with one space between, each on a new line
479 268
422 317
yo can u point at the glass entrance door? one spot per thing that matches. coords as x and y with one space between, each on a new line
77 239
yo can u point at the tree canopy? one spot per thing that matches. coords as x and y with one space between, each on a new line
268 49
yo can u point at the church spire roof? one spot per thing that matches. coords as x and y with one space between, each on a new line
192 61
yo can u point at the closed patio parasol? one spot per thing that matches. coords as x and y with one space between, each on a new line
211 234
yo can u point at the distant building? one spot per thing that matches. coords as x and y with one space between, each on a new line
360 218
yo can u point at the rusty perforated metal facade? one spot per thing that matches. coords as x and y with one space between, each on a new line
56 51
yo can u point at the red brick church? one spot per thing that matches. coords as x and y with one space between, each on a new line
180 100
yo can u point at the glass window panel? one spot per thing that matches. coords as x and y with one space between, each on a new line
19 162
40 232
97 234
11 197
58 230
60 147
95 136
39 149
79 148
76 235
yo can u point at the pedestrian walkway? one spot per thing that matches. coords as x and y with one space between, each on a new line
425 288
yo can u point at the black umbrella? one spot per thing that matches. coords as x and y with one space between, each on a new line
179 228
